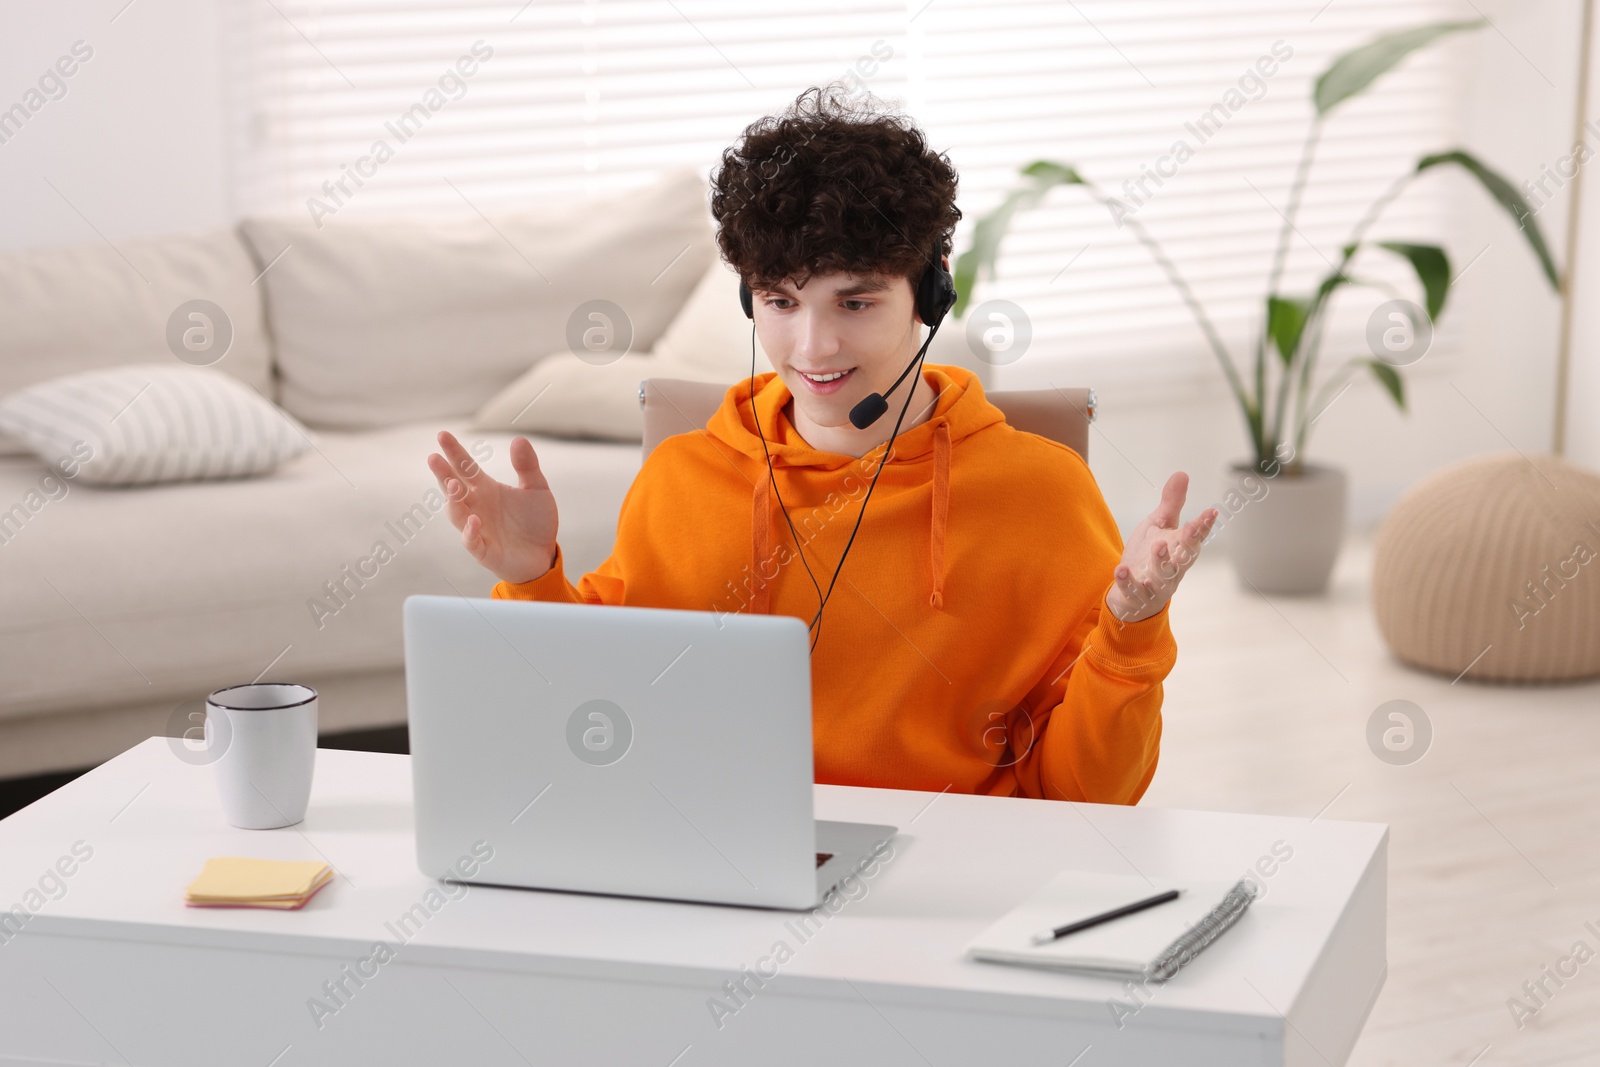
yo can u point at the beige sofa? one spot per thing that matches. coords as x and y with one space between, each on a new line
124 607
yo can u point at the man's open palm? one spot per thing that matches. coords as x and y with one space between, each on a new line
510 529
1157 555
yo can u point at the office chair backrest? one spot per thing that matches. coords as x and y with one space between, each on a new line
678 405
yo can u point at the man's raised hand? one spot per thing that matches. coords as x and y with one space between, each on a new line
1157 555
510 529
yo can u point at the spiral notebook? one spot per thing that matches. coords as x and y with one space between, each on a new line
1152 944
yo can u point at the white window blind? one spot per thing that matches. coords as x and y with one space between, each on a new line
577 98
1111 88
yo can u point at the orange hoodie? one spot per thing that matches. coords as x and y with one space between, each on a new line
967 645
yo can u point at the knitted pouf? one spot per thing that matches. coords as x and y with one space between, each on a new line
1494 562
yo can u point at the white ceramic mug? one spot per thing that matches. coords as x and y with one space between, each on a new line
267 733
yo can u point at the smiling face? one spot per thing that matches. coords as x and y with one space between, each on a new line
838 339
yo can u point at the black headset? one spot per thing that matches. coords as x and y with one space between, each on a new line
936 294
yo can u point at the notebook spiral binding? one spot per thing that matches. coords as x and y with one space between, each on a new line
1202 933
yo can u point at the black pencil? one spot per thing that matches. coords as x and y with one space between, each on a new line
1096 920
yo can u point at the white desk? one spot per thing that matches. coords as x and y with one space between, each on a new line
117 970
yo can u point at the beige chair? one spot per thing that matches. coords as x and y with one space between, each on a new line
676 405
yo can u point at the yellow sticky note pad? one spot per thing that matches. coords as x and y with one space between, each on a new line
244 879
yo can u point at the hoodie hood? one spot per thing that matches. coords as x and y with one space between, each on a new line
961 410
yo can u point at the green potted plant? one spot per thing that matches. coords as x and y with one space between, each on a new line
1287 539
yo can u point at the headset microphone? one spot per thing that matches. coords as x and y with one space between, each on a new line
869 411
873 405
936 294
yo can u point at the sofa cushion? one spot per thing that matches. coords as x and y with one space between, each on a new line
151 422
709 341
186 587
569 396
89 306
379 322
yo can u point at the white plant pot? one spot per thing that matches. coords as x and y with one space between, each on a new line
1285 535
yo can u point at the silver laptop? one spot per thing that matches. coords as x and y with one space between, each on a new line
633 751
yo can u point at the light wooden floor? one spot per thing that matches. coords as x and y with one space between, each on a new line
1494 850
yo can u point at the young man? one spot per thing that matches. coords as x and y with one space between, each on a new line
989 632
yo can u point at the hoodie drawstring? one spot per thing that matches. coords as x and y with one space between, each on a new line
760 547
938 520
941 509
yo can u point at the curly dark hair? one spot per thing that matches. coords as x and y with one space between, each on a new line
828 186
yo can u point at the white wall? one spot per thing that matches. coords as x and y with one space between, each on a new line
138 143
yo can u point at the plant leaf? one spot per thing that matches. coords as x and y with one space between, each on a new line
979 258
1390 378
981 253
1043 170
1358 68
1286 321
1507 196
1329 284
1433 271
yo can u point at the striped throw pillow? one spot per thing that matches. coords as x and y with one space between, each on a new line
146 423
